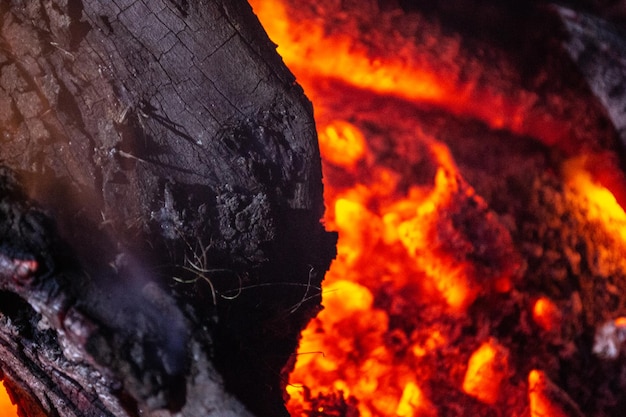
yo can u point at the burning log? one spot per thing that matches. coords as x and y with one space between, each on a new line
160 197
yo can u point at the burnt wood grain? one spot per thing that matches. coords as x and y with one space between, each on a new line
160 194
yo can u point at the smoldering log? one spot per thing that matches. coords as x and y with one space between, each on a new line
160 201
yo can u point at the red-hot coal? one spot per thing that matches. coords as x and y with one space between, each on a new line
475 182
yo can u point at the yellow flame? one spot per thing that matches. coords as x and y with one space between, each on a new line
415 234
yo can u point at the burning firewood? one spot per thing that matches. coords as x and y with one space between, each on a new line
161 197
160 205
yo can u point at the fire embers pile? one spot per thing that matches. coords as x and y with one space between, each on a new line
448 299
481 264
412 260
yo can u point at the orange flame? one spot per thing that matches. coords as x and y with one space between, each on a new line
345 348
414 403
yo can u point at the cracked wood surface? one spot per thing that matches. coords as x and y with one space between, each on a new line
161 195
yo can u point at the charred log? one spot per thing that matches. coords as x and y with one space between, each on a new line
160 202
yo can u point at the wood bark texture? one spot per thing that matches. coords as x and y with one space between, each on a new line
598 48
160 197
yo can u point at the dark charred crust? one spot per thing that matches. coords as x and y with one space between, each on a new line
37 266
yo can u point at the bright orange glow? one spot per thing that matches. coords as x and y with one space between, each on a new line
308 50
546 314
387 238
415 234
343 143
413 403
7 408
402 242
412 245
539 403
486 369
620 322
546 399
312 54
602 206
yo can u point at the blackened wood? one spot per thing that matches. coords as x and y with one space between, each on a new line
598 48
161 197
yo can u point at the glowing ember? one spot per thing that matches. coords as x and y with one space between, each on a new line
343 143
349 347
547 400
310 51
546 314
486 369
413 402
603 206
432 72
410 324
